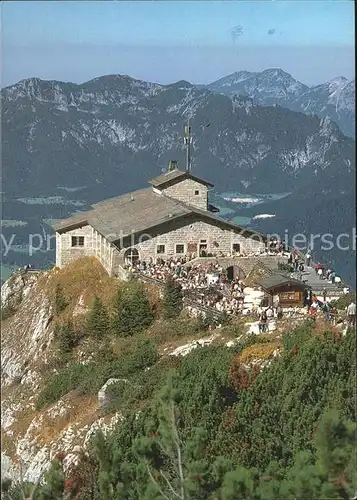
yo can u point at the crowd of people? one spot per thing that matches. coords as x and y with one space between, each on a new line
314 305
205 283
326 274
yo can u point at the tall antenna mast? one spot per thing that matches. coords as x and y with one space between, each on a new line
188 141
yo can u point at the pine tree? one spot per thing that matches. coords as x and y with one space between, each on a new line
336 452
54 483
132 310
66 337
97 320
224 319
60 300
172 302
175 468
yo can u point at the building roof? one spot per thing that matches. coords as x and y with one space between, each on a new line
277 279
137 212
176 176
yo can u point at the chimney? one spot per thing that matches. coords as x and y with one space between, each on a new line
172 165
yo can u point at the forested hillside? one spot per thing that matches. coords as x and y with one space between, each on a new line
272 416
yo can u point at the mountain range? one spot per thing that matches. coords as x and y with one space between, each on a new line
66 146
334 99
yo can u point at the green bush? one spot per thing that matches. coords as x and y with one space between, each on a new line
172 302
97 320
299 335
67 337
73 377
89 378
132 310
144 356
282 266
206 320
121 394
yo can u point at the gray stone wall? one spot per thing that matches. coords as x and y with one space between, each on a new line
185 192
190 234
94 245
177 238
65 253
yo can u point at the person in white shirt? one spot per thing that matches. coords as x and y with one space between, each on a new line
351 314
270 313
308 258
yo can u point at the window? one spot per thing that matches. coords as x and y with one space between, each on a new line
180 248
203 241
236 247
290 296
197 192
77 241
160 249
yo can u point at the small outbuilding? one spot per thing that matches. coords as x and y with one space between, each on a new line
286 291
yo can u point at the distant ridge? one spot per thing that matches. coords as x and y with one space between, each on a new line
334 99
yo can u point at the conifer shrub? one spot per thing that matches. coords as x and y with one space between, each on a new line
97 324
144 356
242 377
299 334
206 320
158 461
67 337
89 378
224 319
75 376
277 437
132 310
172 301
122 395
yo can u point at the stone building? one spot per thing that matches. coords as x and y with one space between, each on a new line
173 217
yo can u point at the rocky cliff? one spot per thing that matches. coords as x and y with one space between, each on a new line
32 437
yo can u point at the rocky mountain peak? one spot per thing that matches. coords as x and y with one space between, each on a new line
275 86
181 84
277 73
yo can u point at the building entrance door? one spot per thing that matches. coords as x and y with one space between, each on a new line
131 256
230 273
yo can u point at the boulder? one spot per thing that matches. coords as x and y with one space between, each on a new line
104 396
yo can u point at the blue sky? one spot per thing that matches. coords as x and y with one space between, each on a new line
166 41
